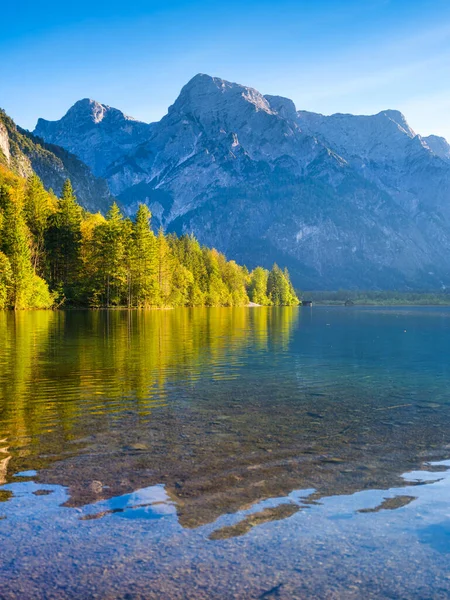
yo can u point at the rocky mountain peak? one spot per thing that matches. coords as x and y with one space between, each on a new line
438 145
283 106
88 107
399 119
204 94
384 137
86 113
97 133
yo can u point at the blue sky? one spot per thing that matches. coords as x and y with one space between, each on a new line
327 55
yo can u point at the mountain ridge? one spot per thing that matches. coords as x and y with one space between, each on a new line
24 153
344 200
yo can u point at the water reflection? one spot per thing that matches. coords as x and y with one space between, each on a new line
373 543
80 382
224 407
224 423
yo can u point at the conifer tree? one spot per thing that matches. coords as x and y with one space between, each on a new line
279 289
165 263
217 293
63 243
5 281
110 238
38 207
190 255
235 278
258 286
26 289
144 261
91 290
292 293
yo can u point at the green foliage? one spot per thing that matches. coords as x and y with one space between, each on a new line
5 281
258 286
38 207
143 267
63 244
90 260
110 241
380 298
279 288
20 286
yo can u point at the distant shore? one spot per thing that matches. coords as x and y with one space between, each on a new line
378 298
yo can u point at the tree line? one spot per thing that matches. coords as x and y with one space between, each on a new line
53 252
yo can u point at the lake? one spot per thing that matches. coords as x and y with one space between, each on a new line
225 453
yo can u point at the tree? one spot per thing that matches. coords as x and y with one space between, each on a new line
24 288
258 286
38 207
110 239
293 296
5 281
90 292
63 243
144 262
235 278
279 288
190 255
217 292
165 266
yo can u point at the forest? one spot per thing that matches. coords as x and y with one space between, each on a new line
380 298
53 253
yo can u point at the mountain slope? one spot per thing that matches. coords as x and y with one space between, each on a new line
96 133
386 151
438 145
24 153
344 201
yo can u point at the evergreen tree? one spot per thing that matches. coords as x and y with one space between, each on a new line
26 289
258 286
63 243
110 239
279 288
144 261
190 255
91 291
165 266
292 293
38 207
235 278
5 281
217 292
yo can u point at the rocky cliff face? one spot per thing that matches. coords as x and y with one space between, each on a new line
25 153
438 145
96 133
344 201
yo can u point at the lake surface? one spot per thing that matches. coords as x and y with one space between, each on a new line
225 453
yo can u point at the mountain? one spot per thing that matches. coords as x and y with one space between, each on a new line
439 146
96 133
386 151
342 200
24 153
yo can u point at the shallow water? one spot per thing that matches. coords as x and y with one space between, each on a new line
225 453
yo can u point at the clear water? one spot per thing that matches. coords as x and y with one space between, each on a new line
225 453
